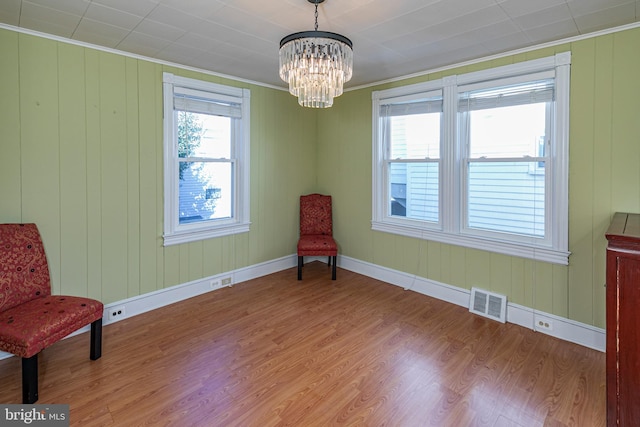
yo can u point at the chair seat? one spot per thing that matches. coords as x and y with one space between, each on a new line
28 328
317 245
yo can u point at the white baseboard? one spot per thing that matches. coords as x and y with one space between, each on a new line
152 300
160 298
565 329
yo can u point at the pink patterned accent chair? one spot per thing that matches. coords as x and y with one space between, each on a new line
32 319
316 231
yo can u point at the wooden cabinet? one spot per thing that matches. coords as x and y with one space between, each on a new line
623 320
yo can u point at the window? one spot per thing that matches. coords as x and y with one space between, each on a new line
478 160
414 156
206 152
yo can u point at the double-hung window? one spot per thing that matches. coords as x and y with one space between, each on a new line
506 135
478 160
206 159
411 144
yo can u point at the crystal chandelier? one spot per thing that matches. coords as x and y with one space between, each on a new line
316 64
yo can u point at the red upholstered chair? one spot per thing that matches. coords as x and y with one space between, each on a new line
316 231
32 319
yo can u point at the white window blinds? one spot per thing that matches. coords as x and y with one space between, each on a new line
507 96
196 101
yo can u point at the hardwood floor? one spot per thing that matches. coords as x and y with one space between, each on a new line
278 352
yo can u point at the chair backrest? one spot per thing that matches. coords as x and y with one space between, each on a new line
24 272
315 215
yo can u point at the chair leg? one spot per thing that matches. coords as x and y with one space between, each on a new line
96 340
30 379
333 270
300 262
329 261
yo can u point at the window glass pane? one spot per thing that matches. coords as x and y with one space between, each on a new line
513 131
414 190
203 135
506 197
205 191
415 136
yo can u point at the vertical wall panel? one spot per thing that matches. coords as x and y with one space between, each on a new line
581 180
602 170
73 170
274 176
171 270
267 180
150 148
434 261
228 251
133 178
625 191
411 257
113 159
10 176
183 268
542 278
40 145
458 267
528 283
517 293
477 269
383 244
445 260
94 174
195 254
500 280
259 185
560 291
161 281
212 250
242 250
423 259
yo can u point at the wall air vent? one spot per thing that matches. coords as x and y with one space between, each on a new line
488 304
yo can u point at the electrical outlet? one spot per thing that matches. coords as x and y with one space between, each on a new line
116 313
226 281
544 325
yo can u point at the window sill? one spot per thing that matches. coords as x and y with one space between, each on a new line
195 235
537 253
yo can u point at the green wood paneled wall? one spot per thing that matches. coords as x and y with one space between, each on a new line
81 156
604 178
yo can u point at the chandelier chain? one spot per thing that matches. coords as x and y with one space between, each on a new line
316 16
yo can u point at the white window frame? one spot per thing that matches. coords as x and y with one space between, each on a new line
428 90
451 228
174 232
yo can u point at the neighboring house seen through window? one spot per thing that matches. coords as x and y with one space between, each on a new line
206 151
478 160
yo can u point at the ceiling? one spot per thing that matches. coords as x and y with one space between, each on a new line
391 38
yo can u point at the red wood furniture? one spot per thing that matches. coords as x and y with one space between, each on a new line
32 319
316 231
623 320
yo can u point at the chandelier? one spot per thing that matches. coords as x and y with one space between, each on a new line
316 64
